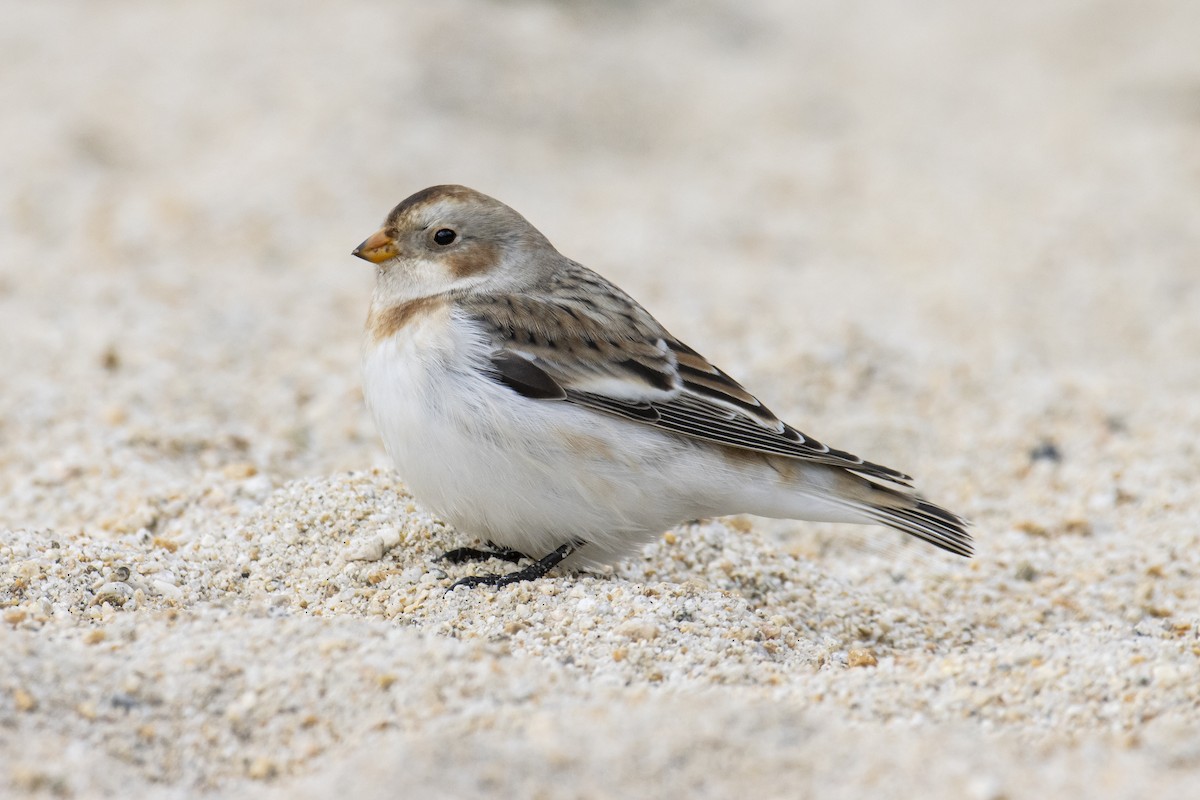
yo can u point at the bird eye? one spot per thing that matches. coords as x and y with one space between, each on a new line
445 236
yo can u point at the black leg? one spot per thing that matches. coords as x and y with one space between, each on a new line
531 573
461 555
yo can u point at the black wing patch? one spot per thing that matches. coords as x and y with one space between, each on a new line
524 377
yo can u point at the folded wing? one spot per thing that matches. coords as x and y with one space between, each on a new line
565 347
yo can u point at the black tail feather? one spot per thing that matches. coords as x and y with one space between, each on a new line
928 522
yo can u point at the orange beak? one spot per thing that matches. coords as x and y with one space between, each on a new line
378 247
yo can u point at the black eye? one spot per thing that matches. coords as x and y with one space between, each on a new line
445 236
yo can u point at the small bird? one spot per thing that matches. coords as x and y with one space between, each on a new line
528 401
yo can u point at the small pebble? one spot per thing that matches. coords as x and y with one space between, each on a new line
860 657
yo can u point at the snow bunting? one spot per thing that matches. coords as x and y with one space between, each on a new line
530 402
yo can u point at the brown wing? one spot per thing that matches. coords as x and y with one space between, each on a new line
634 369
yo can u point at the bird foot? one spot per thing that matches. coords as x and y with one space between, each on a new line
461 555
534 571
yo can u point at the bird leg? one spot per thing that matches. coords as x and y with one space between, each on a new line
531 573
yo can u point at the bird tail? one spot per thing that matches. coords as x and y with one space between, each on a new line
920 518
852 497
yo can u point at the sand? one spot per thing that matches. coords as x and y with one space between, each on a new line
957 238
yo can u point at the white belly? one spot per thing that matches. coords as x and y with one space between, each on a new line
527 474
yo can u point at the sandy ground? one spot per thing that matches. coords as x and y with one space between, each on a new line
957 238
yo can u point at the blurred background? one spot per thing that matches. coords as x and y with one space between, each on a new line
939 233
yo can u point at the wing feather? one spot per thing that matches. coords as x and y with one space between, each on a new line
564 346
